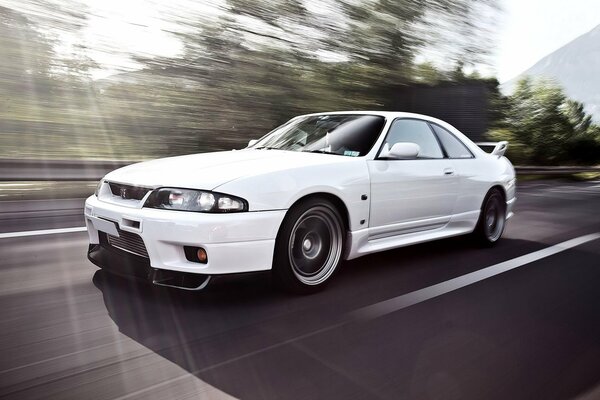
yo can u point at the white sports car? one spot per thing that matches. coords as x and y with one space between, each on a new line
316 190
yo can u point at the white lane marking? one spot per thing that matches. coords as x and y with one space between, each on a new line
391 305
419 296
42 232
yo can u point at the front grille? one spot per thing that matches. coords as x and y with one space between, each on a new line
129 242
128 192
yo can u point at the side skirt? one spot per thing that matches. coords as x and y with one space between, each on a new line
362 242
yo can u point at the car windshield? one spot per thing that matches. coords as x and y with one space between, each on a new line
341 134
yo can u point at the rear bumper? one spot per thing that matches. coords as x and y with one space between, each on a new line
234 243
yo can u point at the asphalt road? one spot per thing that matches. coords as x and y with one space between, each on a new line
69 331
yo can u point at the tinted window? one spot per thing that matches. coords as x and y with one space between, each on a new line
342 134
454 147
415 131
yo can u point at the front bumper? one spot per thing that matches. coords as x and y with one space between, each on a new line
130 266
234 243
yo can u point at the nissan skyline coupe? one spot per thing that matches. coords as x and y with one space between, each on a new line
317 190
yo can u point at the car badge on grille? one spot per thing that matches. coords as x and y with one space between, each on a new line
123 192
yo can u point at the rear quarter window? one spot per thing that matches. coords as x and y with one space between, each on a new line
453 146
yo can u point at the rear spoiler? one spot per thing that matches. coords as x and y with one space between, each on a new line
499 147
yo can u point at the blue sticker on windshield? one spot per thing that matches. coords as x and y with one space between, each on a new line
351 153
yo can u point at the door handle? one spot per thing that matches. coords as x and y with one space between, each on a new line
448 171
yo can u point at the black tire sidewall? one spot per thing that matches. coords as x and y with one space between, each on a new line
283 273
480 230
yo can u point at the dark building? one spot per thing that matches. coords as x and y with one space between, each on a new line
465 105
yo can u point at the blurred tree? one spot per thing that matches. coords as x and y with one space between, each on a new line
580 121
250 68
263 61
544 127
26 60
48 106
428 73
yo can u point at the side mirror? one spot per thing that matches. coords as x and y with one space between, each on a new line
252 142
401 151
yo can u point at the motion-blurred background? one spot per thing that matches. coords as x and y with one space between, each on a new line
131 80
89 85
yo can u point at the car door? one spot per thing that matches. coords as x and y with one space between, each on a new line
467 168
411 195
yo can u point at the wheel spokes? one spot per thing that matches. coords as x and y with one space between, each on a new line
494 218
315 245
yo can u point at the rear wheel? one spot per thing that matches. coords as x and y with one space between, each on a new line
492 218
309 246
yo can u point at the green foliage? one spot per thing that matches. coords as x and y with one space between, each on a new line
577 117
257 64
518 152
544 127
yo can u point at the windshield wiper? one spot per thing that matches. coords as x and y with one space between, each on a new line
266 148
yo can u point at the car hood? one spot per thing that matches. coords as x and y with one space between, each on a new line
210 170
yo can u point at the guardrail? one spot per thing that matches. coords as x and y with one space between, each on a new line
91 170
57 170
532 170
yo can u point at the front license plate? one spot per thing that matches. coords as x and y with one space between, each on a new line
104 225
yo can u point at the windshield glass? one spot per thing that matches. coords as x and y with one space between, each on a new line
341 134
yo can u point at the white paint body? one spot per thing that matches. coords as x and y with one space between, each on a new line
407 201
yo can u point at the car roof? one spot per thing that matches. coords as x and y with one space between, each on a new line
387 114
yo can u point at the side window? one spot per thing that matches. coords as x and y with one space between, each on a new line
415 131
454 147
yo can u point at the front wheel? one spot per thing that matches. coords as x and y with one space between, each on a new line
309 246
492 219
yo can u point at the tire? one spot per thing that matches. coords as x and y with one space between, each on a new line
309 246
492 219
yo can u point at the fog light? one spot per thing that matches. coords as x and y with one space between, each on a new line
195 254
201 254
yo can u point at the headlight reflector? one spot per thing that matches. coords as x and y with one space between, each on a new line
228 203
206 201
195 200
176 199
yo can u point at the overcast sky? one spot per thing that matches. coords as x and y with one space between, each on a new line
531 29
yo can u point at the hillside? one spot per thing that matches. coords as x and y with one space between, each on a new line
576 66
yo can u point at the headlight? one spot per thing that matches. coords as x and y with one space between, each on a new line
195 200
